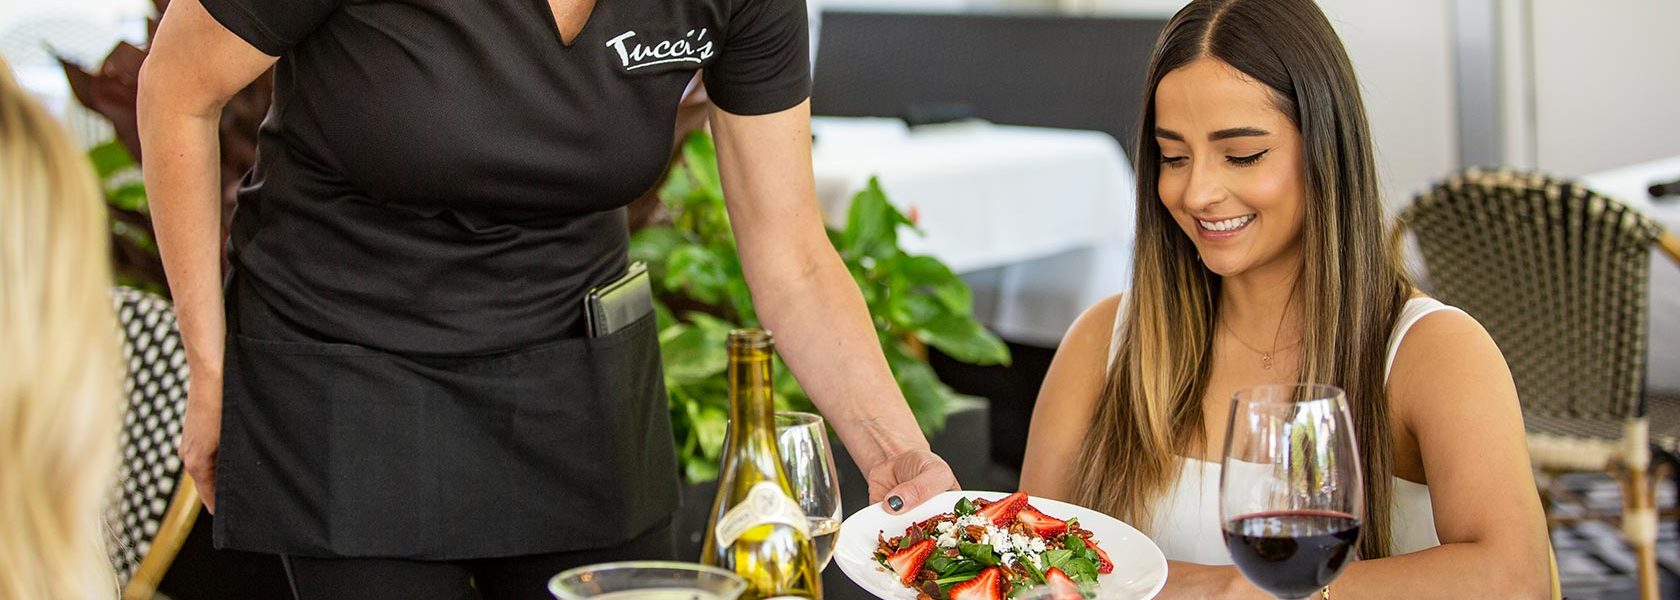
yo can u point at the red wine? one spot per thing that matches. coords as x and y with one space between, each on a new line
1291 554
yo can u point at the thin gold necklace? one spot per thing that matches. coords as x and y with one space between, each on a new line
1265 357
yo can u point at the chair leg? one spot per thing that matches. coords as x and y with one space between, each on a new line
1639 526
172 532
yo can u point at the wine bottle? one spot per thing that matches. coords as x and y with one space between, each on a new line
757 529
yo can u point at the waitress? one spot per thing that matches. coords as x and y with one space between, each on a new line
394 388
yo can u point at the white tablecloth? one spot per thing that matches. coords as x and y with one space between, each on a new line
1629 185
1038 221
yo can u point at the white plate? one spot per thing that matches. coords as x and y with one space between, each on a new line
1139 567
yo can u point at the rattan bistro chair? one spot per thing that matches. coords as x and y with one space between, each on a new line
1558 275
156 503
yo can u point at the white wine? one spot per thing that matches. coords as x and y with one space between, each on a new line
823 532
757 529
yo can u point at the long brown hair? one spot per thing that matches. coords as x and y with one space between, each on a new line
1350 289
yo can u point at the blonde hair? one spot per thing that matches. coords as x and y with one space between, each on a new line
59 395
1350 289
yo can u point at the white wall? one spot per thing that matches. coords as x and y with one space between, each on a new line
1402 52
1606 83
84 30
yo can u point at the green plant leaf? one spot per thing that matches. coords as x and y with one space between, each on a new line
663 318
698 469
692 354
927 274
700 156
696 268
654 246
872 224
699 274
964 339
130 197
109 158
911 310
710 426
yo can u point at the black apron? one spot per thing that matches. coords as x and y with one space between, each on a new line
337 450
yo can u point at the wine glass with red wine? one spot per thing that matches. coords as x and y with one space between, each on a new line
1291 495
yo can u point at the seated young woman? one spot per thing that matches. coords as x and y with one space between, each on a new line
1261 259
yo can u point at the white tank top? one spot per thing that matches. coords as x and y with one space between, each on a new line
1186 520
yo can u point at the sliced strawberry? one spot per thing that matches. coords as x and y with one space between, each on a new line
908 562
1002 512
988 585
1042 524
1104 565
1062 587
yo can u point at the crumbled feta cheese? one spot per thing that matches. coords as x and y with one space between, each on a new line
1009 547
999 540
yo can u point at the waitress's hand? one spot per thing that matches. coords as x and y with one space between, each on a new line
908 479
201 435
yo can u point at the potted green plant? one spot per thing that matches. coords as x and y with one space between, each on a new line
701 295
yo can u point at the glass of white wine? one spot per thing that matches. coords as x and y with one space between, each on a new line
808 459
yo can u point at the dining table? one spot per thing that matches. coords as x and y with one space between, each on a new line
1038 221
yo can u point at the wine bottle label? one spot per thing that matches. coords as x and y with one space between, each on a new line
765 504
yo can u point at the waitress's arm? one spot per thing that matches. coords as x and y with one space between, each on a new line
193 67
804 294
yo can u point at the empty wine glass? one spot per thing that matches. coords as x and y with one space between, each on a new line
808 459
1291 496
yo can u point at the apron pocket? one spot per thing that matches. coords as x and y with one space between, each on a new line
339 450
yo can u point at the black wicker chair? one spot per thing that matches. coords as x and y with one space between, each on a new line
156 503
1558 274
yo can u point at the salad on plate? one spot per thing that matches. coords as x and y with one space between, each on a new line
990 550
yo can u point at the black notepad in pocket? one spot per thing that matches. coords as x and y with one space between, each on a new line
615 305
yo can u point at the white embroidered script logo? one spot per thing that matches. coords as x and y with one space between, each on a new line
693 47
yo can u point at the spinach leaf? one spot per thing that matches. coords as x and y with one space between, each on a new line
1079 569
964 507
980 553
1057 558
1032 570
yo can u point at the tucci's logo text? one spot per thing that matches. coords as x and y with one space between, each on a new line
693 47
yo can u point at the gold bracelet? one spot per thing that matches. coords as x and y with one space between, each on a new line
1324 593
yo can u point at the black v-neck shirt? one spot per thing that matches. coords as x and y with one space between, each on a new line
446 177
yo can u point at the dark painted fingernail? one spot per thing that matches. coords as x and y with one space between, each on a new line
895 502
